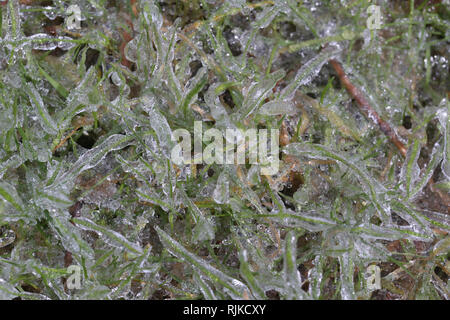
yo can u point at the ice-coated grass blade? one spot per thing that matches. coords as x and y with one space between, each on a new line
9 193
46 121
373 187
307 72
249 277
235 288
112 237
259 91
291 274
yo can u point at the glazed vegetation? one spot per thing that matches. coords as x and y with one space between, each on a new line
87 180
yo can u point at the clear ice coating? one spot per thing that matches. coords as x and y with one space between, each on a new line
308 72
276 107
235 287
444 119
87 179
222 191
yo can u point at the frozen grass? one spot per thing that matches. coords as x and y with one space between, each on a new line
86 178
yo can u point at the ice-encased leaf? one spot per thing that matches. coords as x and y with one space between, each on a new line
290 269
277 107
69 235
308 71
236 3
428 170
315 275
111 237
46 121
221 193
85 97
419 221
410 170
152 14
192 88
311 221
165 49
160 125
10 195
372 186
13 22
347 269
218 112
249 276
248 193
7 291
444 119
235 288
258 91
42 41
442 247
374 232
205 288
92 157
204 228
265 17
12 162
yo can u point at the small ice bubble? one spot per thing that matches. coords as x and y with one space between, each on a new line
115 78
50 13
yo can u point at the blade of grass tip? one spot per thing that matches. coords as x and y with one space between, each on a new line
249 276
272 57
118 240
69 236
444 185
325 90
46 121
308 72
259 91
58 87
444 120
195 87
235 288
306 20
290 269
347 268
207 291
433 219
410 169
262 21
9 193
436 156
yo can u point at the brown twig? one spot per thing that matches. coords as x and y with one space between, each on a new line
366 108
371 114
61 143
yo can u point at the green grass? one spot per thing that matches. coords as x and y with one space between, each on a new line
86 176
